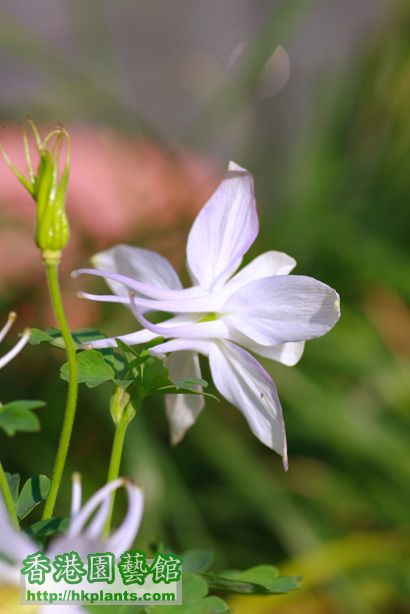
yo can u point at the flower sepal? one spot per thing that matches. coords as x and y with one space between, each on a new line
48 188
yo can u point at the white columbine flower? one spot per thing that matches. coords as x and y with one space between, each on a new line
84 535
225 315
4 360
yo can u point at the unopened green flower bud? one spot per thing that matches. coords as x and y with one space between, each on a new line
48 188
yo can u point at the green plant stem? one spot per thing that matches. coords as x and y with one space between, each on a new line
51 266
8 499
115 462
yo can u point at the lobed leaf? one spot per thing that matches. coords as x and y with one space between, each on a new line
18 416
93 370
34 492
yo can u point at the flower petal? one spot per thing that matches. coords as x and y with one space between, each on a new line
179 297
279 309
183 409
85 537
125 535
140 264
78 523
4 360
266 265
15 545
245 384
76 494
186 326
140 336
177 345
224 230
288 354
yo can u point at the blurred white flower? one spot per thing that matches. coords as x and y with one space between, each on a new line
84 535
261 308
4 360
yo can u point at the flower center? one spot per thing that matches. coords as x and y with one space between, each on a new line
209 317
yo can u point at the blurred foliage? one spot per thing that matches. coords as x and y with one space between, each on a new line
338 518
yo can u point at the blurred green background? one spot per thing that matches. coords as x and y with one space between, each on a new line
312 98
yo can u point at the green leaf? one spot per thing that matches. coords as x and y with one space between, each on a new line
34 491
262 579
93 370
38 336
213 605
18 416
195 598
48 528
189 382
172 389
13 480
128 350
197 560
154 375
53 337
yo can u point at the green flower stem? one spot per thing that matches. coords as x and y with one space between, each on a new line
51 260
8 499
121 426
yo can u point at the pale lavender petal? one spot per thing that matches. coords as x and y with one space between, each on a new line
190 327
279 309
83 516
288 354
15 545
178 345
266 265
224 230
105 298
140 336
245 384
140 264
4 360
155 292
125 535
183 409
85 533
76 494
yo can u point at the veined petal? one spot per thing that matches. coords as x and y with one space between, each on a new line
183 409
245 384
140 336
177 345
140 264
83 534
154 292
224 230
78 523
288 354
4 360
104 298
125 535
187 326
266 265
279 309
